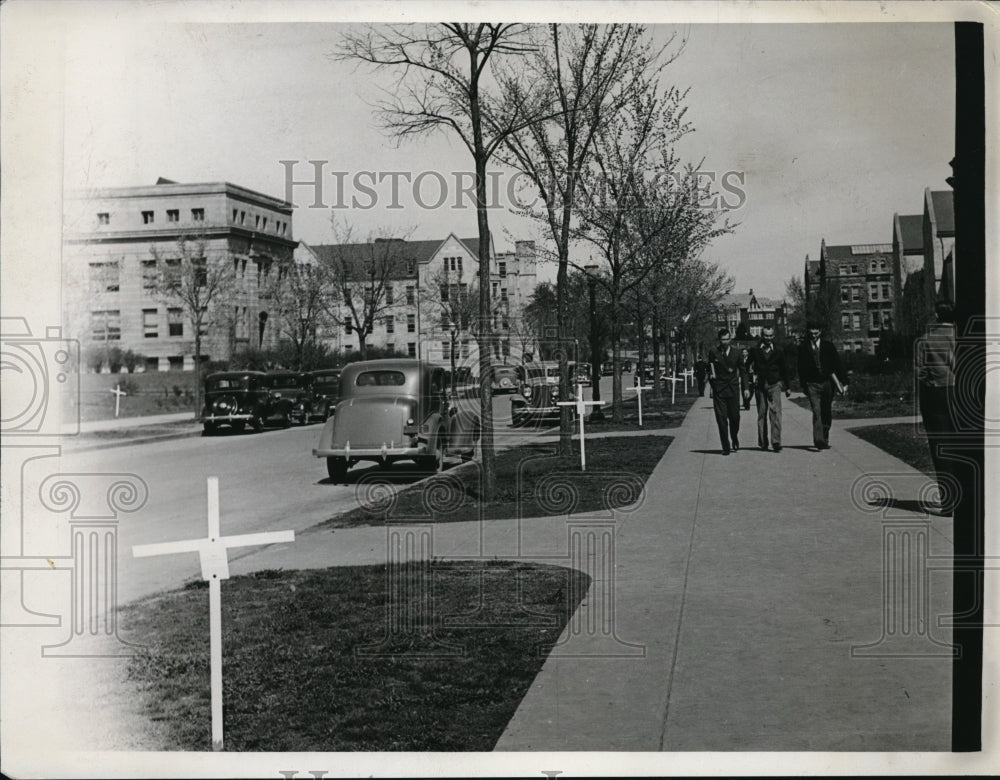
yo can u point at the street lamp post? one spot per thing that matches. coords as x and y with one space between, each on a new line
595 363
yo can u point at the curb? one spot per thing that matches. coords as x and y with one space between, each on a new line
104 445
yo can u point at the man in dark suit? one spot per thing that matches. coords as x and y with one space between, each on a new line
819 367
771 371
700 374
727 370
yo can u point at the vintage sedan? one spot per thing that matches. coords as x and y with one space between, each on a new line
539 392
326 392
292 387
504 379
391 410
239 398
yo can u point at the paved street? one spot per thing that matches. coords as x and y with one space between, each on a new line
740 586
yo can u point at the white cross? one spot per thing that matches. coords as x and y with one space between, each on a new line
639 389
212 553
581 410
118 396
673 387
688 374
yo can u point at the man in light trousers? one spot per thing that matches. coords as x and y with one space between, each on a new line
771 374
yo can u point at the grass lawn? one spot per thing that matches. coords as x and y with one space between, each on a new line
532 481
846 409
901 440
656 413
152 392
309 665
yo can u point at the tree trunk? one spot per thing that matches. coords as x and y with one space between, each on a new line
565 412
197 370
616 353
489 468
656 357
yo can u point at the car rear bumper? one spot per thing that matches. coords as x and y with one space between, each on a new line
225 418
385 451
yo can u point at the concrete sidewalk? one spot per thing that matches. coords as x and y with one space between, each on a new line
737 590
748 579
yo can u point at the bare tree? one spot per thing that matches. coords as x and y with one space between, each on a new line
359 280
823 306
201 282
453 301
302 296
445 82
593 71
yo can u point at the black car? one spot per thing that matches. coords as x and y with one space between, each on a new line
235 399
294 387
325 392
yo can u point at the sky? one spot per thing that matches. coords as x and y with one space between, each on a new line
833 127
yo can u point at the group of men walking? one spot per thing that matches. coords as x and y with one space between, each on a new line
764 372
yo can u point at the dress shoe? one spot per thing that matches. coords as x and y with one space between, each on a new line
777 448
725 452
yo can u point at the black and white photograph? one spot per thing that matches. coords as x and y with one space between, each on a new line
569 389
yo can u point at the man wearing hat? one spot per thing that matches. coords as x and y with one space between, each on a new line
819 369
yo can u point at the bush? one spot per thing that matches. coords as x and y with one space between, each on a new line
873 387
131 359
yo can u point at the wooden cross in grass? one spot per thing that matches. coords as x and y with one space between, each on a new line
118 396
673 379
213 554
639 390
581 410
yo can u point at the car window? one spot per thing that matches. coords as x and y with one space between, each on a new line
327 383
380 379
236 383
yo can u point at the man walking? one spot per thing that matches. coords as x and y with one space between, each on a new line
727 370
935 387
771 369
819 366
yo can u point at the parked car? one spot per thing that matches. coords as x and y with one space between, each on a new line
504 379
294 387
583 375
239 398
391 410
607 369
326 392
539 392
648 377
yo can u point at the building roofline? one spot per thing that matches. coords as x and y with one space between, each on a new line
201 188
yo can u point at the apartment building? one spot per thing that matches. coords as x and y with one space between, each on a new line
117 243
748 313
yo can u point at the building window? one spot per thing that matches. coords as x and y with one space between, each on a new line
446 350
256 221
390 325
856 321
453 264
502 265
843 270
149 277
881 266
503 294
444 293
243 217
445 321
411 349
873 292
854 269
198 265
104 277
147 218
410 267
845 294
410 296
263 225
103 218
175 322
198 215
390 295
876 320
411 323
845 321
859 346
150 324
885 292
173 215
505 323
106 325
855 293
348 329
236 213
465 348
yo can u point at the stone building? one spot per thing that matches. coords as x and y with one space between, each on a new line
117 243
748 313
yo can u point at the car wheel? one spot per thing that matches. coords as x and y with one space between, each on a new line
336 469
257 423
433 461
209 429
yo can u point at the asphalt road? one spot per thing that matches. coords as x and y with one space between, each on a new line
267 482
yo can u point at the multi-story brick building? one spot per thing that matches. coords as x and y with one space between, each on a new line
118 240
939 246
861 278
413 312
749 313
